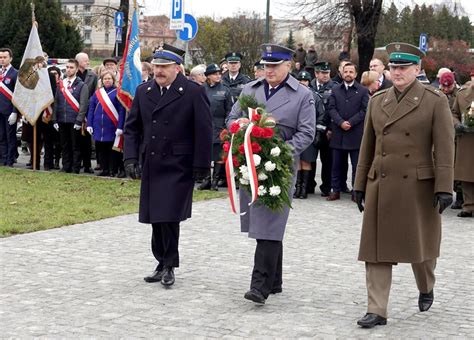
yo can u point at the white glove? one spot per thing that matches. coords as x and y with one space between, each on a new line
77 127
12 118
118 132
23 119
56 126
90 130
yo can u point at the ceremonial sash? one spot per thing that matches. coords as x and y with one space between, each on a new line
69 97
47 114
6 91
112 113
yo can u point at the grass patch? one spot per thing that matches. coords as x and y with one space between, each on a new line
32 201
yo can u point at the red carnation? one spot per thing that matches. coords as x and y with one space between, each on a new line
235 161
234 127
256 148
257 132
224 135
267 132
256 117
241 149
226 146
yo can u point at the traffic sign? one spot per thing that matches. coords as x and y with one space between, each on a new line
189 30
177 15
118 34
423 42
118 19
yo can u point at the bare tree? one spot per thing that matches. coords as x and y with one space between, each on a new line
337 15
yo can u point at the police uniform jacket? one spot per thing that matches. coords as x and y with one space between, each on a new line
348 105
221 103
9 80
171 135
406 156
293 109
236 85
464 165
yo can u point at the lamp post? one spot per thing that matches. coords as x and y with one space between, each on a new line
267 23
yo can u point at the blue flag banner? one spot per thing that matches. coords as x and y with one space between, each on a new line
131 68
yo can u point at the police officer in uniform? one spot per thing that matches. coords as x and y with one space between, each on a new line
221 104
308 156
405 177
323 85
169 131
292 106
233 78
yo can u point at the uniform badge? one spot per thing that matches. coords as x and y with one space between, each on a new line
180 89
397 47
7 81
311 101
148 89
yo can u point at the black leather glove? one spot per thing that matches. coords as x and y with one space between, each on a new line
459 128
317 138
200 173
444 199
133 170
360 197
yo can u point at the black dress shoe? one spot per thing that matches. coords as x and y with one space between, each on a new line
121 174
255 296
465 214
371 320
88 171
425 300
168 276
155 276
457 205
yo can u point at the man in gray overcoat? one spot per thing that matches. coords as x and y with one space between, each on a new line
292 106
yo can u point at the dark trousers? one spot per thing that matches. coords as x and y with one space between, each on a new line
325 155
117 162
164 244
52 148
339 168
267 270
85 146
70 147
104 155
8 148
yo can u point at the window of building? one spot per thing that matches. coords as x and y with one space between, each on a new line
106 37
107 24
87 8
87 35
87 21
75 8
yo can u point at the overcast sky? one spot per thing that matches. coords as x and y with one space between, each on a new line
226 8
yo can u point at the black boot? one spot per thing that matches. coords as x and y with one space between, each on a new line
206 184
299 178
216 176
304 184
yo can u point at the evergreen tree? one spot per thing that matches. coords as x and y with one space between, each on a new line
406 23
465 31
388 27
417 27
290 42
444 26
58 32
427 19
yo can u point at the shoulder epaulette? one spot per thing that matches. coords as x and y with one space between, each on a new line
434 90
378 93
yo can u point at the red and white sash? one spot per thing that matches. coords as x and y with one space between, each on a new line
112 113
6 91
69 97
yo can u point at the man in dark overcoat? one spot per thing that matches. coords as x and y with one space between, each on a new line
347 108
169 129
405 171
292 106
233 78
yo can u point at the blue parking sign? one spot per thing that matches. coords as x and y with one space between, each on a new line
423 42
177 15
189 30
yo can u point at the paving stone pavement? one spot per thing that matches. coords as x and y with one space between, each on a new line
86 281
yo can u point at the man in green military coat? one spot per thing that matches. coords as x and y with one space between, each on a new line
405 171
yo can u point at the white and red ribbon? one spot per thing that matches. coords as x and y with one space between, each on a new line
6 91
252 171
69 97
112 113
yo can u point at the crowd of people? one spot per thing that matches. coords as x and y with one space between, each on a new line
398 133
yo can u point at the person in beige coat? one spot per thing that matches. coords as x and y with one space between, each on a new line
464 165
405 171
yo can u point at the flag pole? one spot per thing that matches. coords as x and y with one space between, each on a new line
33 22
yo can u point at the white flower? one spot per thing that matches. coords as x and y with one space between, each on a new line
262 190
243 181
257 159
269 166
243 169
245 175
262 176
275 152
275 190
